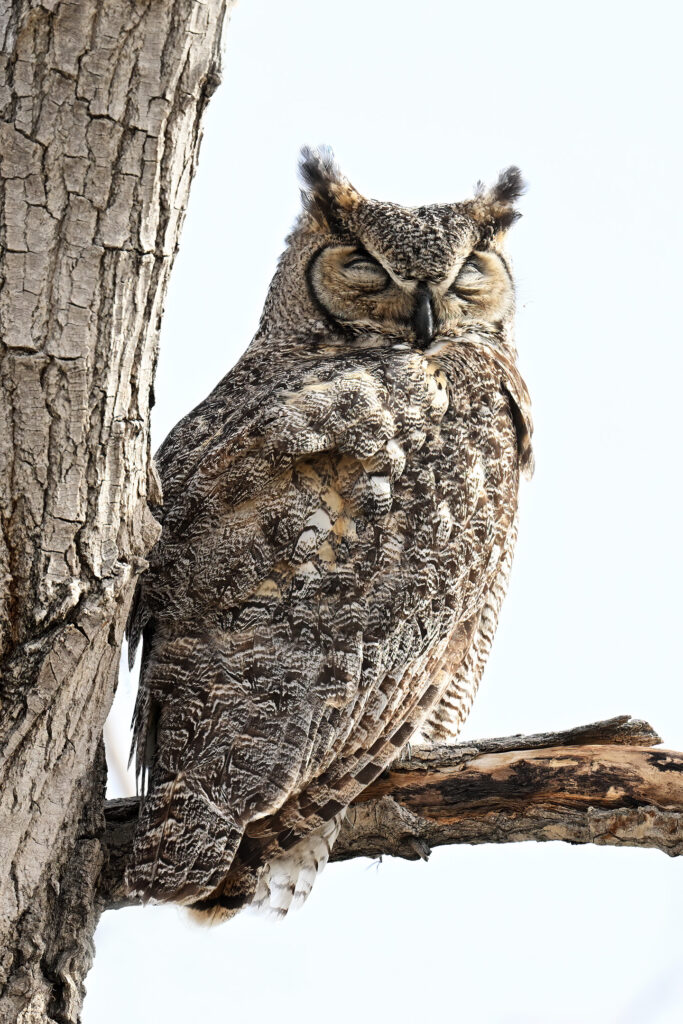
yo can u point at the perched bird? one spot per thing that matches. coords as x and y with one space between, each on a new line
338 523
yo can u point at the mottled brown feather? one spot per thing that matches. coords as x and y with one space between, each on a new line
337 530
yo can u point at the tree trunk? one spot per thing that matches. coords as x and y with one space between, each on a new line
100 124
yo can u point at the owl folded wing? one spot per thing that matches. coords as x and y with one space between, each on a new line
267 517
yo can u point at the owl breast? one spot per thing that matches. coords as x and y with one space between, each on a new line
401 547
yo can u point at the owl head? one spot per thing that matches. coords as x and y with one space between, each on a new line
362 271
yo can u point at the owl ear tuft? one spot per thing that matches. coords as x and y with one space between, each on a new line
494 208
509 187
327 196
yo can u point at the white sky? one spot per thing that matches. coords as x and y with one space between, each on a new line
419 101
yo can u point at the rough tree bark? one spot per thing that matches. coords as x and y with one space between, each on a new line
100 119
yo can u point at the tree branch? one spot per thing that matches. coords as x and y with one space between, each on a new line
602 783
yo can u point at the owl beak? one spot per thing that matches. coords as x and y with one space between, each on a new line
423 317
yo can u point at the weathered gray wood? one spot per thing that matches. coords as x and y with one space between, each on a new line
603 783
100 122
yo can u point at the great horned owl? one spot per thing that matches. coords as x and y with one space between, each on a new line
338 524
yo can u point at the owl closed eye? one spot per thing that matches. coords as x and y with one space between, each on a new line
365 292
483 288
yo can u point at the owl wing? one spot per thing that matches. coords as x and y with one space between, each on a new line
231 449
240 669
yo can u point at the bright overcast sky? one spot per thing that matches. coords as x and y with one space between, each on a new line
419 100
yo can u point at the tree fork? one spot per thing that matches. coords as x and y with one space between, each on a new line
100 124
604 783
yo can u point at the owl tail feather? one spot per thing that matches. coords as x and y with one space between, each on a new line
276 887
285 882
184 845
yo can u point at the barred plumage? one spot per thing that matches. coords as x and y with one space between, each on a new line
337 530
